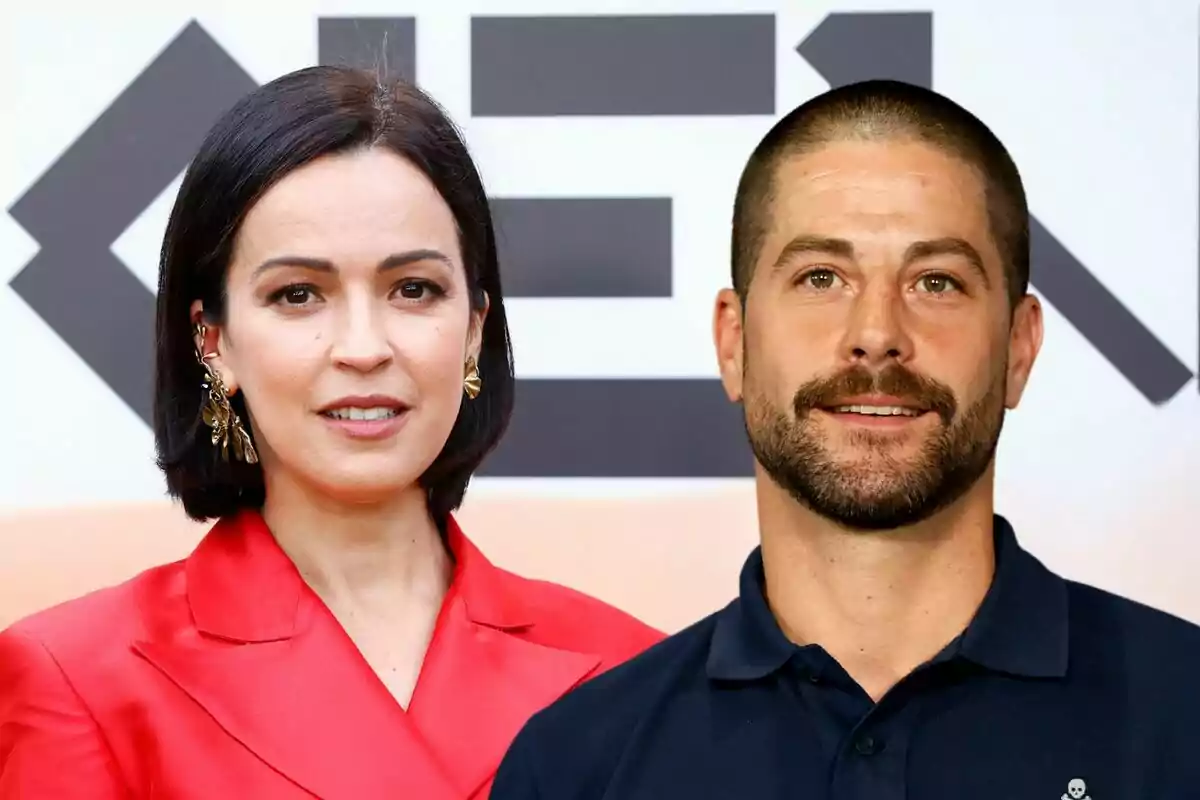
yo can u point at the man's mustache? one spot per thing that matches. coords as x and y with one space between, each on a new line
894 380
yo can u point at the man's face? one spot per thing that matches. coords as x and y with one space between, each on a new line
876 352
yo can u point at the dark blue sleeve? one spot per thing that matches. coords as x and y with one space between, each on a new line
517 777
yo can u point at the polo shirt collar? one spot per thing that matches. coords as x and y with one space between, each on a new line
747 643
1020 628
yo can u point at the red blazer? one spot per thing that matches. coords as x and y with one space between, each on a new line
224 676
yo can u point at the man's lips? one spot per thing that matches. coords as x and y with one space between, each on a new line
875 406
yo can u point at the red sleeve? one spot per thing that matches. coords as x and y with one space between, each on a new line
50 745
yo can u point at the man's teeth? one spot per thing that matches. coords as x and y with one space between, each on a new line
363 413
879 411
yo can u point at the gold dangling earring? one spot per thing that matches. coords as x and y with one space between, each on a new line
219 415
472 383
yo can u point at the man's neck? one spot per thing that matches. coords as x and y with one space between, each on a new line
880 603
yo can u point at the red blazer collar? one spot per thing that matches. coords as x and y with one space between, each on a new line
485 589
243 587
306 703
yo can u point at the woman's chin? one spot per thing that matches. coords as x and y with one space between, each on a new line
365 488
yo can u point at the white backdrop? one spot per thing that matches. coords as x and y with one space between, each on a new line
1096 101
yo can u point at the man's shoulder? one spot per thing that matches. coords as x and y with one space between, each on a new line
595 718
1154 654
1105 614
1141 662
570 749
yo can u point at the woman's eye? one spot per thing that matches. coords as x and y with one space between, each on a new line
299 294
413 290
419 290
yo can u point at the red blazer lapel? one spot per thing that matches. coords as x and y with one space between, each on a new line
481 680
274 669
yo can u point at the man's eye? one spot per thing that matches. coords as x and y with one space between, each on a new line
939 284
820 279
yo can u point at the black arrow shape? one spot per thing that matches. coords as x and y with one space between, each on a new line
98 187
849 47
640 65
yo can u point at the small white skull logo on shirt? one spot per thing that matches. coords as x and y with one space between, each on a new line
1076 790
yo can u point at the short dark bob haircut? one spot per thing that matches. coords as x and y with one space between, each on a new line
287 123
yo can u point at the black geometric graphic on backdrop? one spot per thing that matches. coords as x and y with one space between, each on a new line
552 247
627 66
98 187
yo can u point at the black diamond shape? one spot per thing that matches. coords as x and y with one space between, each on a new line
98 187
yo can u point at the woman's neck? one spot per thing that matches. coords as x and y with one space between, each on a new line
359 553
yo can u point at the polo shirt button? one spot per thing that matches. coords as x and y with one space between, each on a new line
867 746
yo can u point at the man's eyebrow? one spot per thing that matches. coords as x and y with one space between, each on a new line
948 245
808 243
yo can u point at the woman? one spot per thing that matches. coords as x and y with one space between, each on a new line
333 363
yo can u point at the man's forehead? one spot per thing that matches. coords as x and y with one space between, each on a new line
828 189
875 160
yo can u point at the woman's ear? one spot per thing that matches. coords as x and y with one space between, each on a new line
207 337
475 332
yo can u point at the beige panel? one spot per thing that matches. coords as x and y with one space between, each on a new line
668 561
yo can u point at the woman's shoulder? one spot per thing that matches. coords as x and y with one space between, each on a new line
572 619
87 628
547 612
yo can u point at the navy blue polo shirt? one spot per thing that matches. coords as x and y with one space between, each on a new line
1055 690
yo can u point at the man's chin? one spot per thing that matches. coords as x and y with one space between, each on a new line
870 481
868 496
882 467
849 442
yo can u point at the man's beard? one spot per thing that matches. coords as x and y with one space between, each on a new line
877 491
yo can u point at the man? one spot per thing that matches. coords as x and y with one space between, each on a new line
891 638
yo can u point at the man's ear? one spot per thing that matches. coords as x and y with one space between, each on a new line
1024 344
728 333
207 337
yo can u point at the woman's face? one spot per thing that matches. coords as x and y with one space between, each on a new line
347 326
